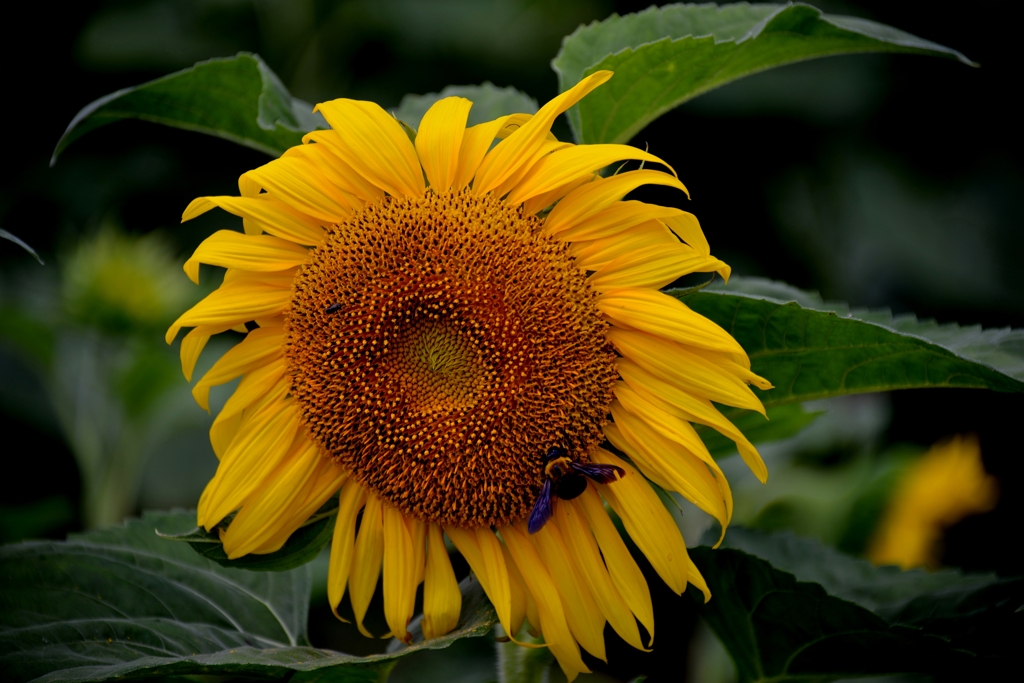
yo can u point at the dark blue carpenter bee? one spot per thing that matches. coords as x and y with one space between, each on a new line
333 308
566 480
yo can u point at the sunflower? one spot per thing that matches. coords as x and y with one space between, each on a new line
947 484
444 328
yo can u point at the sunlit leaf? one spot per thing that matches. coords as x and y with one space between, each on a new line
809 349
664 56
236 98
489 102
792 609
123 602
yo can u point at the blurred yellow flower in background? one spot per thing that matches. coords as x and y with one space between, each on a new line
947 484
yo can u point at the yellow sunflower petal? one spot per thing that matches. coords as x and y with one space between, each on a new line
622 568
259 347
595 254
375 145
273 503
439 139
654 267
673 428
277 218
369 553
258 449
647 522
539 202
298 183
668 464
565 165
401 572
193 343
549 605
327 479
520 595
581 610
259 387
488 563
614 220
693 409
354 182
442 601
586 557
230 249
589 200
350 502
353 187
682 367
665 316
513 155
688 228
232 304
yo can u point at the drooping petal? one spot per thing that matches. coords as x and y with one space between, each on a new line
581 611
647 522
487 562
583 552
259 387
192 346
693 409
669 464
622 568
375 144
401 572
355 183
369 554
442 601
439 140
350 502
260 447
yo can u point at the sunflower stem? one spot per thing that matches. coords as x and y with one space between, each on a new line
517 664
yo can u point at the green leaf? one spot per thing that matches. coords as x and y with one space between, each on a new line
21 243
301 547
489 102
236 98
809 349
664 56
123 602
791 609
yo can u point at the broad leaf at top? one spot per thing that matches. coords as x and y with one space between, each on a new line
664 56
809 349
236 98
489 102
124 603
792 609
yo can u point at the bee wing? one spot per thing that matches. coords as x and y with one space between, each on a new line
602 474
541 509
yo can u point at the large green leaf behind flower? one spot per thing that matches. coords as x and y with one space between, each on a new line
664 56
792 609
809 349
123 602
237 98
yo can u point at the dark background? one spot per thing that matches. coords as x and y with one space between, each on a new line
884 181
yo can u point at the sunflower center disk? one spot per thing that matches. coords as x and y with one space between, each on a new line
439 346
